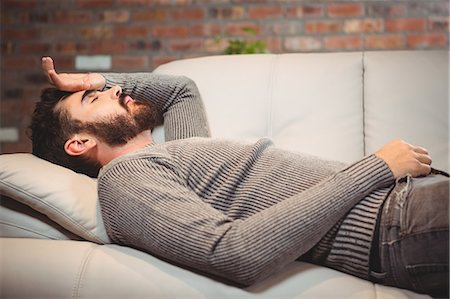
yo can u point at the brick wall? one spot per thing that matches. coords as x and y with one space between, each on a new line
136 35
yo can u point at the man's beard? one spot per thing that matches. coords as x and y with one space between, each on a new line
120 128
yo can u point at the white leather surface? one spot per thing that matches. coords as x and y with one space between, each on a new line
317 104
89 270
310 103
68 198
237 100
406 96
18 220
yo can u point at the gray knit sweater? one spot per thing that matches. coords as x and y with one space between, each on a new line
239 211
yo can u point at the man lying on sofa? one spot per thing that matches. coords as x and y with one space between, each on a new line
240 211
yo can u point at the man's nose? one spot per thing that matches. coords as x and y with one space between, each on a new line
116 91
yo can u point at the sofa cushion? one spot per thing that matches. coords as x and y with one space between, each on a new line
406 96
235 91
20 221
311 103
87 270
68 198
317 104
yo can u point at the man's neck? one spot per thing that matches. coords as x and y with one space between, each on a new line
106 153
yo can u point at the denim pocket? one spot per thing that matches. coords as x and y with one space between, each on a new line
429 277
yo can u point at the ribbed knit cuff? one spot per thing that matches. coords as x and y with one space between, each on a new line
371 172
113 79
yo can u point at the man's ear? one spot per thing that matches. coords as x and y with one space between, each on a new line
79 145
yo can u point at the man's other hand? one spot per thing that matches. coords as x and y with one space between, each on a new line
404 158
71 82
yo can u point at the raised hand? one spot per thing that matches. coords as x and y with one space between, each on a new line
73 81
404 158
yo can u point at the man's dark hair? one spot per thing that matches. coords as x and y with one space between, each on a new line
51 128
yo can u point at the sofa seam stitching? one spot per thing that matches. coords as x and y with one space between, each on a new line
363 78
82 271
58 211
31 230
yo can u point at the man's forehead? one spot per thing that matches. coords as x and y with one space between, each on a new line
70 99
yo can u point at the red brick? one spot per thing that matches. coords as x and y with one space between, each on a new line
134 2
291 28
145 45
312 11
264 12
73 17
89 4
427 40
274 45
158 60
115 16
23 146
366 25
188 14
9 79
345 10
430 8
385 10
234 12
186 45
108 47
130 62
8 47
384 42
322 26
19 63
34 48
305 11
171 31
19 4
441 24
13 147
25 18
297 44
239 28
64 62
205 30
59 33
343 42
131 32
72 48
153 15
402 25
215 45
97 32
20 33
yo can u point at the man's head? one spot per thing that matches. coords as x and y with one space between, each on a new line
66 127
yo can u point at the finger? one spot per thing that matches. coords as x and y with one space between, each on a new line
62 82
425 159
421 150
425 169
58 82
86 84
47 65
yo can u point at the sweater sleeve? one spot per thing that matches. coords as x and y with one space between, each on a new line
167 219
177 98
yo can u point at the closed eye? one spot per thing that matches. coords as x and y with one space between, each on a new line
94 99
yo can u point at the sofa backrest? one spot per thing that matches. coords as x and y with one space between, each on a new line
406 95
339 106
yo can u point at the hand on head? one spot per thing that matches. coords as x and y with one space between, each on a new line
404 158
73 81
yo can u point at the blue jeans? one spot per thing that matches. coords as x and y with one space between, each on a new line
414 236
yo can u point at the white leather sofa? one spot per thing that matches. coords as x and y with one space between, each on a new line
335 105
